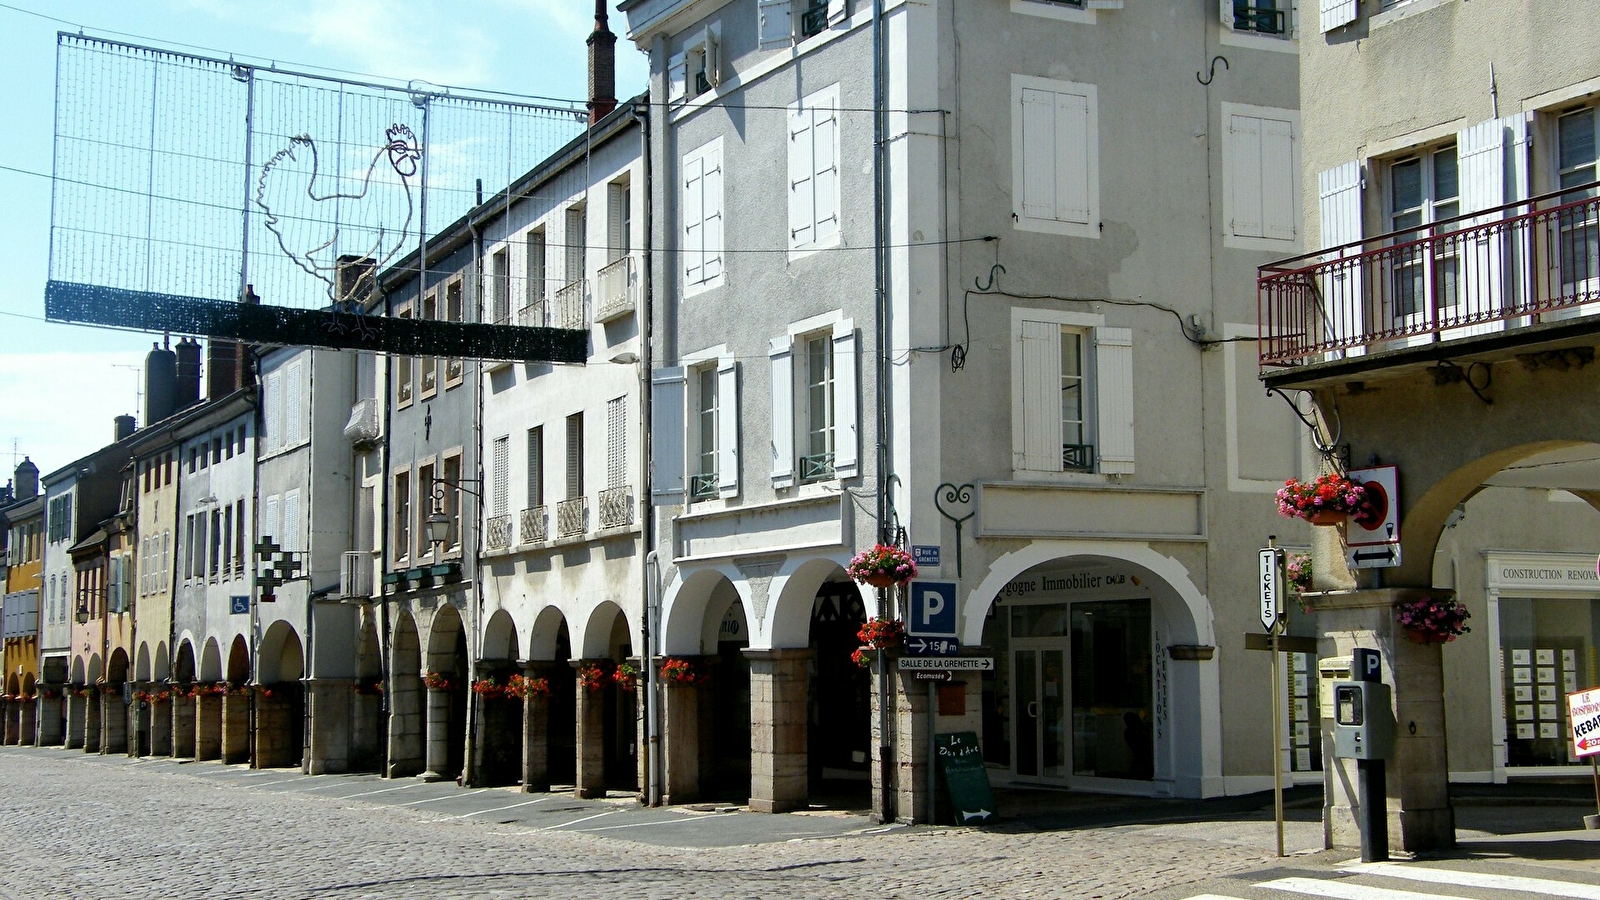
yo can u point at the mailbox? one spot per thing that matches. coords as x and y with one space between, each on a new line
1329 670
1363 727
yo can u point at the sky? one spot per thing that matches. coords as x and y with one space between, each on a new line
61 385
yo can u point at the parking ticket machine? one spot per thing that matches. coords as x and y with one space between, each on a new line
1362 725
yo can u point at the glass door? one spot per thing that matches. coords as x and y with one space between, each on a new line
1039 686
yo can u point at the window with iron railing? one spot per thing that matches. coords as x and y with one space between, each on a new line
1260 16
616 506
498 535
614 290
535 525
572 517
570 311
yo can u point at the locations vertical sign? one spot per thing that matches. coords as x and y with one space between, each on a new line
1271 578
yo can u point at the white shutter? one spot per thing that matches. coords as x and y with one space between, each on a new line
1481 167
802 172
1245 175
293 406
1073 157
291 521
499 479
1113 348
272 406
666 433
268 529
1057 155
836 11
616 214
617 442
777 23
846 409
1278 218
693 213
1337 13
713 213
781 355
728 427
1343 302
825 156
1227 14
712 61
677 78
1038 154
1041 396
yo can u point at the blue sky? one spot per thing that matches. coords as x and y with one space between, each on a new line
61 385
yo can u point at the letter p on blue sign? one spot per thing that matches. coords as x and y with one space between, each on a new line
933 609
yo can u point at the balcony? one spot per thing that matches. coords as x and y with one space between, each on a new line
535 526
816 467
355 575
572 517
614 296
1491 272
570 311
704 486
532 315
498 534
362 428
616 507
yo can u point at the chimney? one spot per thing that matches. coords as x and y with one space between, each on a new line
222 367
160 384
188 393
602 66
27 483
124 427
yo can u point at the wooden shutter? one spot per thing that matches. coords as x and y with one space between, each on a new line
1343 305
1337 13
677 78
536 276
1227 14
291 521
1038 154
1058 155
616 219
825 157
272 408
781 355
576 241
1113 349
728 427
693 213
666 433
802 172
777 23
574 456
1103 4
846 407
1481 152
713 212
1041 396
1278 180
1245 175
293 407
836 11
269 528
535 482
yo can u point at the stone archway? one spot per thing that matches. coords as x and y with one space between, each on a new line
183 701
280 699
78 691
706 718
498 744
368 728
607 714
113 707
208 691
407 701
549 723
94 705
448 692
161 702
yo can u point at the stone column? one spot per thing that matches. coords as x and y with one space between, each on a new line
208 727
908 799
161 726
591 750
52 703
29 720
235 737
114 722
183 726
406 732
438 735
536 733
12 720
680 741
328 708
779 778
77 717
94 709
1420 815
134 717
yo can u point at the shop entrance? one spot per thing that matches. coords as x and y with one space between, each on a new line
1038 682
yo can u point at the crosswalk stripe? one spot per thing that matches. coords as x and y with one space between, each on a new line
1480 880
1211 897
1345 890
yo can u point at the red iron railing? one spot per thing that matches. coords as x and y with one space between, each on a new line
1491 270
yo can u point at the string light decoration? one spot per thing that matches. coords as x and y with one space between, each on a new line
209 197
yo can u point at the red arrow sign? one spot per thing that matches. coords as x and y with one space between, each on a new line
1588 743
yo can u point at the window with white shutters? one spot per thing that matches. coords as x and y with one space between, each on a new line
1055 156
1337 14
616 442
619 220
536 273
576 239
1072 380
535 467
1260 152
293 524
500 477
295 429
701 213
776 19
575 456
404 382
815 410
500 287
705 433
814 170
667 433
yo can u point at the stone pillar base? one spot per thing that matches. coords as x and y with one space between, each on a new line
536 734
779 775
208 727
28 722
328 702
235 747
591 753
161 728
52 705
183 726
680 742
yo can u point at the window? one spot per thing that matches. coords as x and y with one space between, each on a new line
1055 156
535 484
814 170
1576 165
428 365
619 220
214 558
452 499
453 313
238 539
500 477
577 223
703 482
1072 393
1270 17
1260 150
617 442
402 515
216 450
696 70
701 210
575 456
1423 188
205 458
533 308
404 384
425 486
818 403
500 287
295 428
293 523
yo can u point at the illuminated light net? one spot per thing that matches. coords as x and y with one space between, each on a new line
179 180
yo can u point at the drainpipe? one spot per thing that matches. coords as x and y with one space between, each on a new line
880 323
385 647
475 606
655 765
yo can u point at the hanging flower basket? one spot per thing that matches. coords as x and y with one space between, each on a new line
864 657
522 687
626 675
372 688
1329 500
682 671
882 634
594 676
885 565
1428 620
435 681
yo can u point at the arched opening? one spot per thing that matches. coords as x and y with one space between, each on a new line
74 711
208 693
160 716
27 715
114 706
551 733
499 743
368 729
407 701
139 713
12 710
280 700
839 702
95 706
183 702
607 706
706 713
446 681
236 704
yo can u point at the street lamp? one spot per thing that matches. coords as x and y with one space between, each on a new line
436 527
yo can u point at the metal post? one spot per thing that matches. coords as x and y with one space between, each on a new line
1374 810
1277 736
933 755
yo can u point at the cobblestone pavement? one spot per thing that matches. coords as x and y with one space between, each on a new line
105 827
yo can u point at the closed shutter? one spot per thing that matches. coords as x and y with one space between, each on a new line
616 442
1278 218
1344 310
712 209
777 24
1113 349
666 433
677 78
694 220
1337 13
291 521
836 11
574 456
535 467
576 239
1245 175
825 157
1103 4
1057 157
616 222
114 586
802 172
268 529
728 427
293 406
536 276
500 477
1481 162
1041 396
781 355
1038 154
271 409
846 408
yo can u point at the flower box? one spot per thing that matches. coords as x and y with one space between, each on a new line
1428 620
885 565
1328 500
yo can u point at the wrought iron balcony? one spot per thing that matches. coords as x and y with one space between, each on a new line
1254 16
498 534
1077 457
616 507
704 486
572 517
814 19
614 292
535 528
1494 270
816 467
532 315
570 310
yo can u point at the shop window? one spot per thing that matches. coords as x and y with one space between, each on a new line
1548 650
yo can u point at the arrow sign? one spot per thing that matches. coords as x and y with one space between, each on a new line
1271 578
1381 556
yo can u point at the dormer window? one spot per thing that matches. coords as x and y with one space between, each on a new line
695 71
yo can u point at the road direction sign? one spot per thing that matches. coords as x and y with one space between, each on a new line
1583 711
938 646
933 609
946 663
1375 556
1270 573
945 676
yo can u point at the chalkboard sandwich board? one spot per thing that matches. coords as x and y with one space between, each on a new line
965 777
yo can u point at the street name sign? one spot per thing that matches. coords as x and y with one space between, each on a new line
947 663
1583 711
925 555
1271 578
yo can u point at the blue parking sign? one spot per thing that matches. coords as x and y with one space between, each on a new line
933 609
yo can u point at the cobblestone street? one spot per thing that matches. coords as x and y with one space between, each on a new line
109 827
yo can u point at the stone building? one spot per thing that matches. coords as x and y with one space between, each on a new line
22 516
